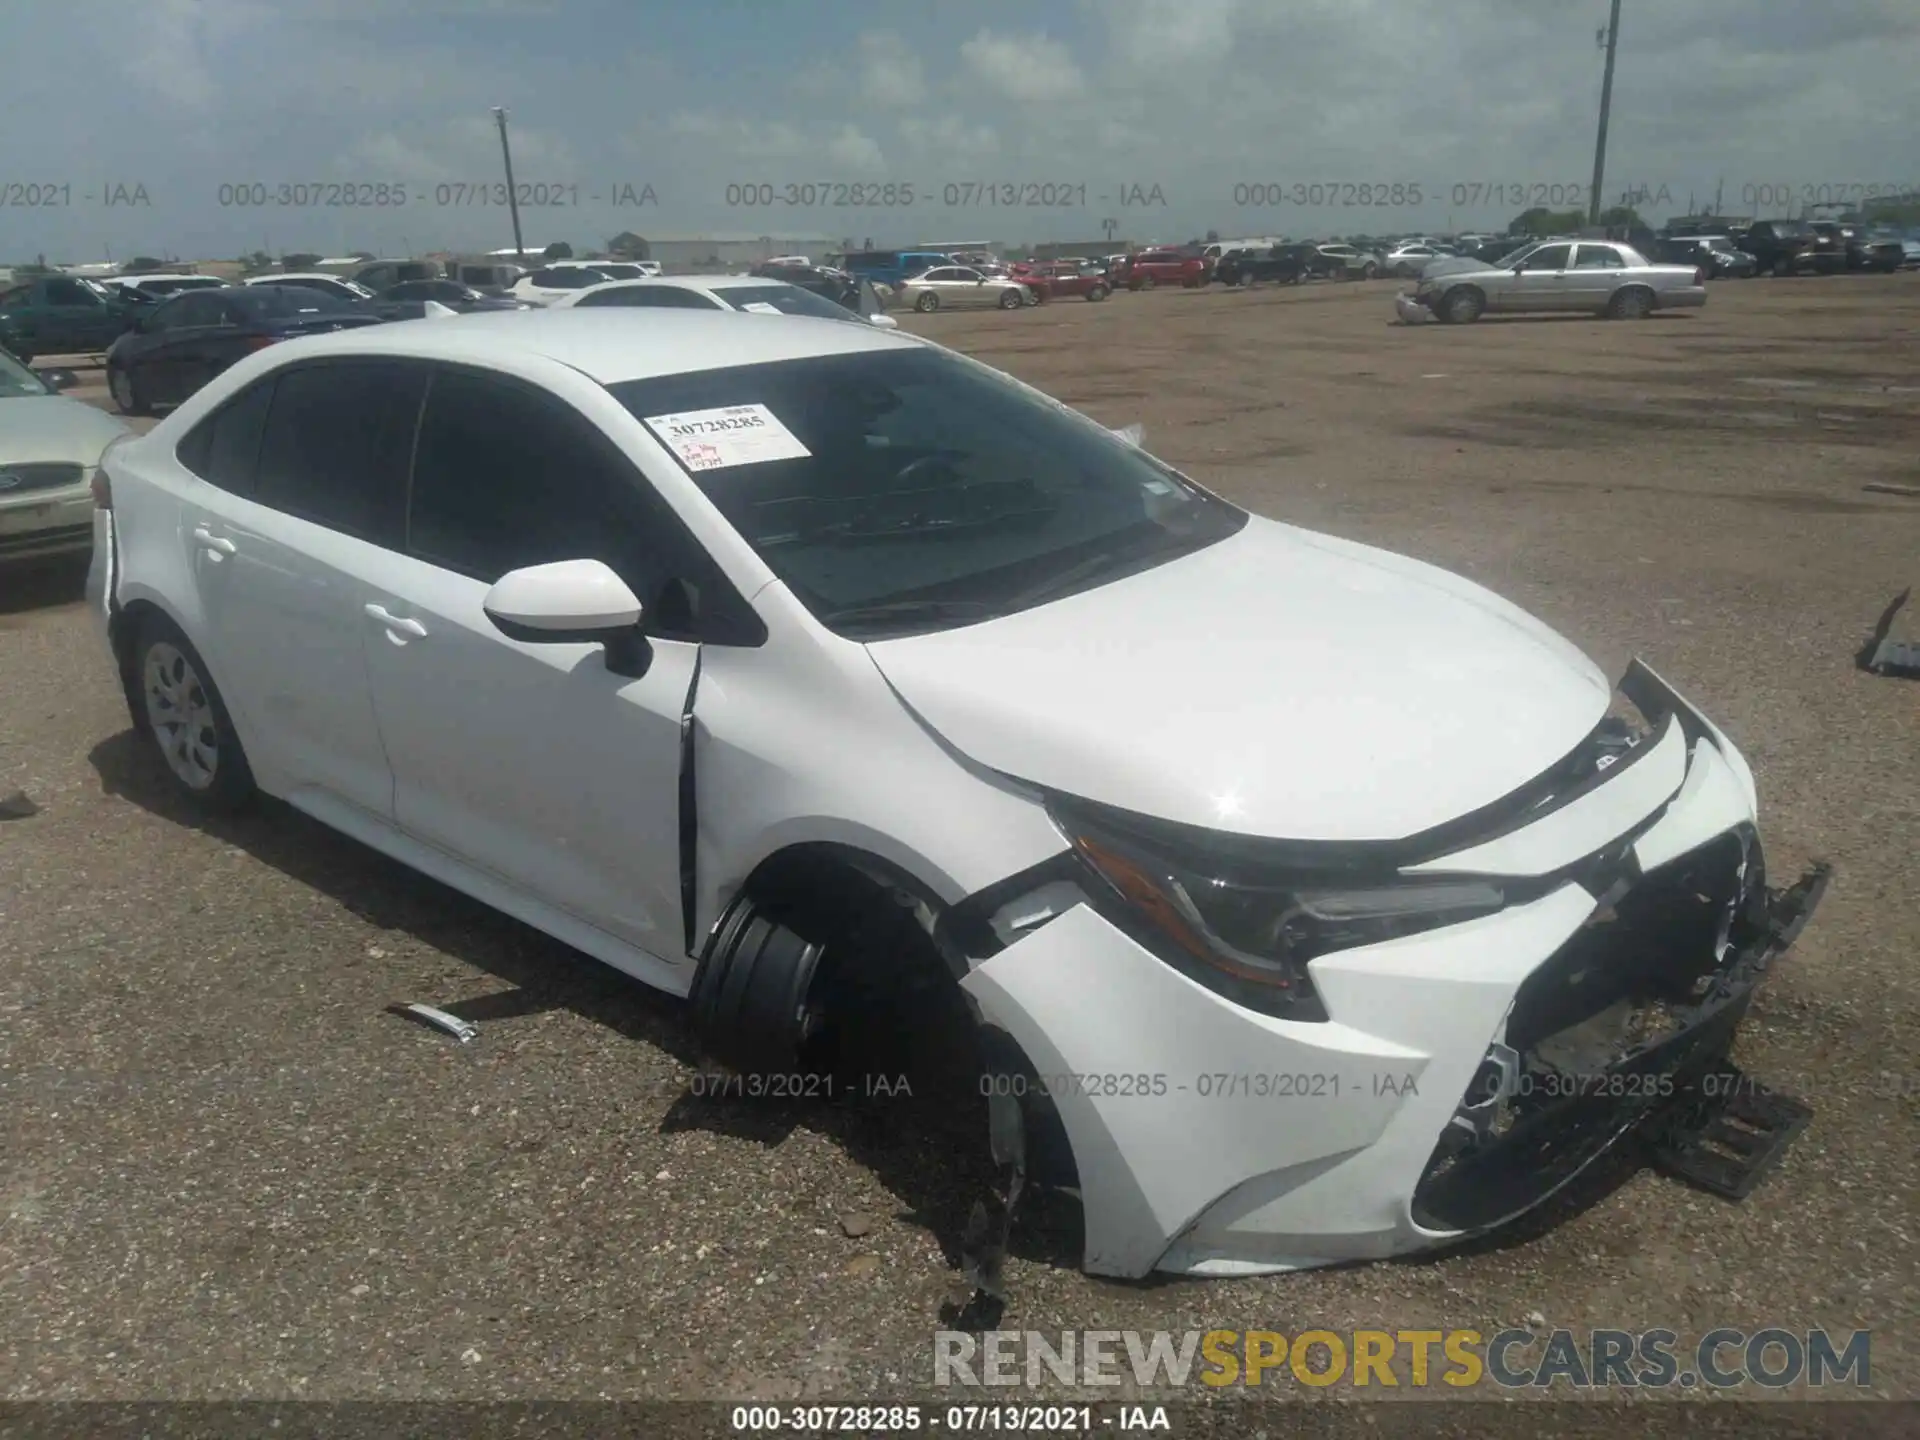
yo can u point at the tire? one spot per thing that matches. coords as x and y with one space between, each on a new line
1403 272
1462 306
1369 270
187 721
1636 302
1098 292
1147 282
1011 300
927 302
127 393
1245 282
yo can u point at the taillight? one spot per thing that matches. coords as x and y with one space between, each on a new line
102 491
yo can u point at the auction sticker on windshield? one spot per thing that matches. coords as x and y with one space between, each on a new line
731 435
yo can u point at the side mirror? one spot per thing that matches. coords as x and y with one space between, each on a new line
572 602
885 322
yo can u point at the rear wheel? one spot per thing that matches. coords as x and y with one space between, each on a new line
187 720
1147 282
1782 267
1098 292
927 303
1633 303
1010 300
1369 270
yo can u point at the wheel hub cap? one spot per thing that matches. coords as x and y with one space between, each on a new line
181 714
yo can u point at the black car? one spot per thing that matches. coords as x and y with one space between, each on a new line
1715 254
1282 264
182 343
835 285
1792 247
1862 253
408 300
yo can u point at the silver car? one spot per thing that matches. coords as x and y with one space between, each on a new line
1599 277
50 447
953 286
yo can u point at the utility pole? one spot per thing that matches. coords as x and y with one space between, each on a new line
1606 105
513 203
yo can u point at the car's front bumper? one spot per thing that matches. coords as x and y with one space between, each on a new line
1208 1139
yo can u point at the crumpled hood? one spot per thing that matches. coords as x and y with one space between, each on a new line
1280 683
38 429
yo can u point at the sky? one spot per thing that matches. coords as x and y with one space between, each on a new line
213 128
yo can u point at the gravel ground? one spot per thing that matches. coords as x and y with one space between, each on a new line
226 1171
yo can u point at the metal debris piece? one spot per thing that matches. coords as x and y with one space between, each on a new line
17 806
462 1030
1888 654
1880 487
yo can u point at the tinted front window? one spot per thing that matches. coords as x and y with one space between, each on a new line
565 279
929 479
505 477
337 442
71 292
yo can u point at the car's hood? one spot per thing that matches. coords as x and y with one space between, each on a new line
1280 683
38 429
1455 265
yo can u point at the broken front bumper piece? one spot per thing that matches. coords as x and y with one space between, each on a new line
1462 1076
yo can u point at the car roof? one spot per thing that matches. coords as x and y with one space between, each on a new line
612 345
294 275
696 282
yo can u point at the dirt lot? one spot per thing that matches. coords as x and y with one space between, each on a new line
228 1172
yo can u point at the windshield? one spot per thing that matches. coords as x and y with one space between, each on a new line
897 491
787 299
17 380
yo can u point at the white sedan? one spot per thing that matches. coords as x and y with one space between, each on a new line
753 294
775 662
50 448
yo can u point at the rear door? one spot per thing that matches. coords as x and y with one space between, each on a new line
287 564
208 340
76 318
1596 272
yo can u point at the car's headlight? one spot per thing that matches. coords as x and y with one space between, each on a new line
1244 917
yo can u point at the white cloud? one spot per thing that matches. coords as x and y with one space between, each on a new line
890 73
852 153
1027 68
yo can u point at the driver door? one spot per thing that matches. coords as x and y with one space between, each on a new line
531 762
1541 284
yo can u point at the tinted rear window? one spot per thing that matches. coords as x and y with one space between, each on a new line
338 442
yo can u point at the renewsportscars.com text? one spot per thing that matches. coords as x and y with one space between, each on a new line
1775 1358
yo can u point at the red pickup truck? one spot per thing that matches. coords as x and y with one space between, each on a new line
1165 267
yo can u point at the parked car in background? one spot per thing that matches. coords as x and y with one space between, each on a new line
1070 279
1407 261
1279 264
50 447
787 668
408 300
182 343
1152 268
331 285
954 287
1792 247
893 267
1909 250
753 294
1715 254
1342 261
856 294
1601 277
555 282
158 287
378 275
63 315
1863 252
489 277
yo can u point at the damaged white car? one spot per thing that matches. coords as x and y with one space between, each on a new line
1313 903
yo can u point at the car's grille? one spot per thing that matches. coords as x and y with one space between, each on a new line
19 479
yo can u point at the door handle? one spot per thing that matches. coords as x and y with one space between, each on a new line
209 541
395 623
